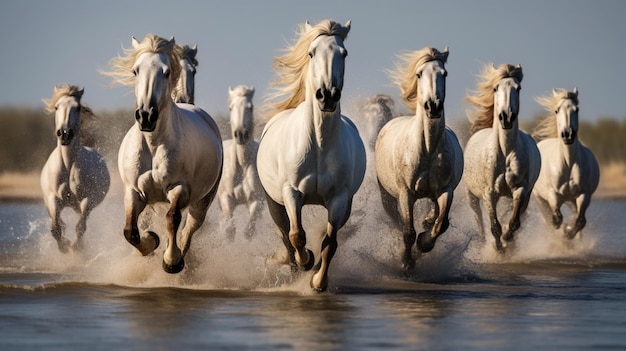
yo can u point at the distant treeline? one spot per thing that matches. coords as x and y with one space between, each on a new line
27 136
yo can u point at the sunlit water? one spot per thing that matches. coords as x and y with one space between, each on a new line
544 294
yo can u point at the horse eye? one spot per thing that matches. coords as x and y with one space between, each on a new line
166 73
576 109
419 75
445 74
135 72
310 54
495 88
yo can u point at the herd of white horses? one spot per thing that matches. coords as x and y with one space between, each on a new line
309 153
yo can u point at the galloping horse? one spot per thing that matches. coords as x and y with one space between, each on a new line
172 154
377 111
240 182
500 159
74 175
418 156
184 91
309 153
569 170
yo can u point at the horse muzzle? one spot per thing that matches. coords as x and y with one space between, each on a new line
65 135
328 98
507 119
147 119
568 135
241 136
434 108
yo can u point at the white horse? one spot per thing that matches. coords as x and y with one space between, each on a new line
184 91
376 112
569 170
172 154
74 175
500 159
309 153
240 182
418 156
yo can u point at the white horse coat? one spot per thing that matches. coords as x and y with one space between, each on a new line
569 170
74 175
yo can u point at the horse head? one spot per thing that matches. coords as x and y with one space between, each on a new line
153 84
185 87
431 85
327 56
67 117
506 101
241 116
567 117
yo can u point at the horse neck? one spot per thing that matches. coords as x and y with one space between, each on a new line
570 153
69 153
245 153
169 119
325 124
506 139
431 128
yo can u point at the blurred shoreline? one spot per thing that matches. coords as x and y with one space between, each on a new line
24 187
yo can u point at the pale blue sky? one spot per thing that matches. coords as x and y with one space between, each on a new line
558 43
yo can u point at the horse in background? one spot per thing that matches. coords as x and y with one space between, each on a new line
74 175
500 159
184 90
309 153
172 154
418 156
377 111
569 170
240 184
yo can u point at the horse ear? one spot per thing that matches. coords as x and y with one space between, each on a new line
80 92
518 66
576 91
251 91
172 40
194 50
230 90
555 91
445 53
348 24
308 26
135 42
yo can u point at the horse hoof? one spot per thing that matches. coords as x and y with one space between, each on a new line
156 239
424 242
311 261
173 269
318 285
64 245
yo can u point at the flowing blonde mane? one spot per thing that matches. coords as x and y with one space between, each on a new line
291 68
547 127
122 66
184 51
403 75
482 99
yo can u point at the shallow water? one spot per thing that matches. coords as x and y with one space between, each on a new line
544 294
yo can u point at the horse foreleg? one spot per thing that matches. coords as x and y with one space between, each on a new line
426 242
195 219
254 213
297 236
520 202
338 213
496 228
81 225
405 205
178 197
280 218
546 211
227 205
134 205
57 226
582 203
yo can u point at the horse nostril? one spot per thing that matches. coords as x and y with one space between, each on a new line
336 94
137 114
59 132
319 94
501 116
